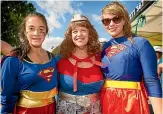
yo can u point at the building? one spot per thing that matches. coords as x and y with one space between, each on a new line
146 21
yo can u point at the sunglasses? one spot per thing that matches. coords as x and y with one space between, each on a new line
116 20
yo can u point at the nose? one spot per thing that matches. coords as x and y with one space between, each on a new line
111 23
36 32
79 33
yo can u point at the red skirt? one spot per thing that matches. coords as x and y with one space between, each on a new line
49 109
123 101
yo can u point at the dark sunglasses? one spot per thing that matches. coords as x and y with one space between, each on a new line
116 20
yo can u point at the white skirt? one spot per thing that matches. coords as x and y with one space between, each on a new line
75 104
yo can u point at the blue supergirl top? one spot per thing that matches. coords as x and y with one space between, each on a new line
24 75
128 61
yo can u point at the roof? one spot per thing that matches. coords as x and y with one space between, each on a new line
148 23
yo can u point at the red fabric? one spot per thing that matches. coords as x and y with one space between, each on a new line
77 75
123 101
144 88
85 75
49 109
76 69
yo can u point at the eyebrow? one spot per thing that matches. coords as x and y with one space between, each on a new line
39 26
42 26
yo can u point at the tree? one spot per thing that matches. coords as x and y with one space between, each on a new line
12 13
56 51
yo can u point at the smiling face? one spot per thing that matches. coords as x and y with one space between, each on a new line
35 31
120 24
113 24
80 36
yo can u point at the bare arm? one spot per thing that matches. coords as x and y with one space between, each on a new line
155 101
5 48
159 69
152 83
156 104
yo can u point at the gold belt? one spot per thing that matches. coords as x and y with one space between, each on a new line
122 84
31 99
82 100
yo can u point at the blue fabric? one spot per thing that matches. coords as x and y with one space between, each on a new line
66 85
160 61
22 75
132 62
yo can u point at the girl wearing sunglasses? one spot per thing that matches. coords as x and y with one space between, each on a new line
129 61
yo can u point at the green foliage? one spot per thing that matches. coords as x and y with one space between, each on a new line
12 13
56 51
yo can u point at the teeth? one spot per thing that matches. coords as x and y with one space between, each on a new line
112 29
80 39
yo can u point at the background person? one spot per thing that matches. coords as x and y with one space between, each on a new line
5 48
158 51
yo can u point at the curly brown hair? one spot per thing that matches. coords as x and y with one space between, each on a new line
93 45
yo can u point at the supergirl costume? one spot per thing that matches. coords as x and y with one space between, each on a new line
80 93
28 88
126 64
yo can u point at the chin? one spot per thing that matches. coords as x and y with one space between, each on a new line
36 45
81 45
113 34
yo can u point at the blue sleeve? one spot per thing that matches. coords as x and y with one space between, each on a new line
9 84
149 65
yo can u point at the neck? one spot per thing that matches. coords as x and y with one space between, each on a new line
80 53
37 51
79 49
119 35
38 55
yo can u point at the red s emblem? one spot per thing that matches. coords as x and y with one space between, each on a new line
47 73
115 49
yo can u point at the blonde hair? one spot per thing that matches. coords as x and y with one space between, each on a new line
93 45
118 9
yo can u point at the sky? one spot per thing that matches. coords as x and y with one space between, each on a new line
58 14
